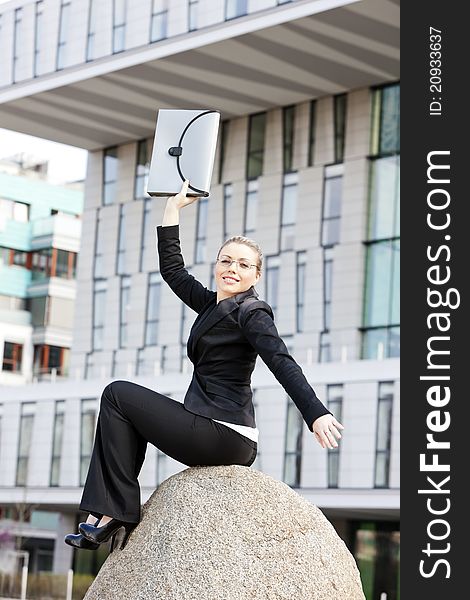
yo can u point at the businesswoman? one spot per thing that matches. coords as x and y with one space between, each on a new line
216 424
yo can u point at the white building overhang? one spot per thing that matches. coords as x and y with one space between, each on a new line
309 49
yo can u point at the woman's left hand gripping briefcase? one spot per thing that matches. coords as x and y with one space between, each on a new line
184 148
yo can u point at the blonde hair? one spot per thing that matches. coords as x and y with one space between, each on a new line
240 239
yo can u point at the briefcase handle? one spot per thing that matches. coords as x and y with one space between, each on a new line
177 151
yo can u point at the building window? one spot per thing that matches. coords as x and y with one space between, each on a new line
28 410
52 262
141 170
293 448
110 170
339 105
335 405
201 231
301 266
153 309
98 270
288 211
228 210
272 281
58 435
39 308
311 134
325 355
251 206
384 434
48 359
92 24
288 118
119 25
147 238
125 307
332 198
121 250
87 432
256 137
64 33
65 264
325 347
385 138
99 311
381 322
192 14
235 8
17 41
223 147
12 357
37 36
159 22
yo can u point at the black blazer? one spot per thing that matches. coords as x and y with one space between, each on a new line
224 342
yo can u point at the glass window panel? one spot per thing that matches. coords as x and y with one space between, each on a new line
330 231
325 347
55 470
311 146
159 27
383 425
202 218
333 195
373 341
288 133
25 434
390 120
21 469
192 17
272 282
228 207
290 469
110 164
119 12
328 264
289 205
235 8
154 301
64 22
333 468
394 342
294 429
381 470
340 125
395 295
99 307
384 197
378 285
251 210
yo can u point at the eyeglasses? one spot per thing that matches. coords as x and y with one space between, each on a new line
227 262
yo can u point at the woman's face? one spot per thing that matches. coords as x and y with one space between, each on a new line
232 279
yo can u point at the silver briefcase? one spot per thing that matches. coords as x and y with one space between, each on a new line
183 148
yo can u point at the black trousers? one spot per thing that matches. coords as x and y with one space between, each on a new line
131 416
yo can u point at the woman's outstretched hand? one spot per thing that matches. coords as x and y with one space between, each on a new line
325 429
181 200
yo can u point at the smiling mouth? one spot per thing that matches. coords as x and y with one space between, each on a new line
230 280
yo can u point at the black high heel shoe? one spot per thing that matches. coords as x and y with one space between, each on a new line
77 540
99 535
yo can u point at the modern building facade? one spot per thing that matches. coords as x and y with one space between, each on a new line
307 164
40 229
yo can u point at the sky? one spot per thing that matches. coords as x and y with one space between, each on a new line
66 163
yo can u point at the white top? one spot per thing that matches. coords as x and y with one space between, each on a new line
250 432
